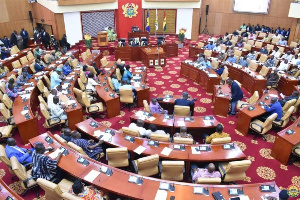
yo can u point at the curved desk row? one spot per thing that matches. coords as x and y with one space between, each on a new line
8 61
94 57
118 182
6 193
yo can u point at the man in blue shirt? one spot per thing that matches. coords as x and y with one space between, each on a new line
220 70
264 50
251 55
127 76
66 69
210 46
200 58
231 59
206 63
23 155
244 61
236 95
55 78
185 102
274 107
37 66
115 82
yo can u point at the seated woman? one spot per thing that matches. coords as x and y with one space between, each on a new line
12 92
153 129
86 192
218 134
92 149
156 108
183 133
91 83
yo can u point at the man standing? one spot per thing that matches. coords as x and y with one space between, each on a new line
45 39
25 37
23 155
13 38
64 42
236 95
185 102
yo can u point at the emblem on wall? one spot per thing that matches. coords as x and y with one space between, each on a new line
130 10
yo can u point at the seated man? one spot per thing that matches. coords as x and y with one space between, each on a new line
115 82
206 63
294 61
240 43
230 50
43 166
126 85
217 48
276 53
210 46
86 192
94 65
264 50
200 58
140 127
270 63
3 70
23 155
251 55
210 172
52 58
221 56
127 76
52 94
155 107
38 66
244 61
66 134
284 66
66 69
153 129
91 83
25 71
220 70
58 53
272 78
92 149
227 42
185 102
183 133
274 107
282 42
37 51
231 59
288 56
57 111
55 78
236 95
22 79
295 95
218 134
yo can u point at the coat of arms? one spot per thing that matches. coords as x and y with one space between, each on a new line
130 10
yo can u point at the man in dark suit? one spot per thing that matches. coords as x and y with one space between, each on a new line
236 95
295 95
185 102
45 39
13 38
25 37
64 42
6 42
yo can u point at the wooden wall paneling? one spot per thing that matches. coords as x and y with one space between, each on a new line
171 15
3 14
80 2
60 25
196 22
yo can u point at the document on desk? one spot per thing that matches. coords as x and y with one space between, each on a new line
29 88
196 150
70 102
55 153
260 77
207 122
212 75
166 151
161 195
180 123
91 176
24 112
151 119
273 95
25 96
139 113
140 150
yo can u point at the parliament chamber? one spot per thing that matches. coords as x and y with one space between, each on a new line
149 99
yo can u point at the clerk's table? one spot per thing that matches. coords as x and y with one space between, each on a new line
153 56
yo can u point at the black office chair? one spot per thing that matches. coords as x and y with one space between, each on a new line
121 42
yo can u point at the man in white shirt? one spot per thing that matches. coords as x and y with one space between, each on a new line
276 53
153 129
284 66
288 56
50 97
282 42
57 111
217 48
140 127
91 83
295 60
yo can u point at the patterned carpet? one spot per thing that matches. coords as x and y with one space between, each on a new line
168 81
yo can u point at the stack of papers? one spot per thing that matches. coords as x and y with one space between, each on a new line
194 151
207 122
166 151
29 88
25 96
24 112
55 153
161 195
91 176
105 136
180 123
259 77
151 119
70 102
212 75
139 113
140 150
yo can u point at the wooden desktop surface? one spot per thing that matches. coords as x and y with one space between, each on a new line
6 191
8 62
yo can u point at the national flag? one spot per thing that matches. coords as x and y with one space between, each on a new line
156 21
147 22
165 22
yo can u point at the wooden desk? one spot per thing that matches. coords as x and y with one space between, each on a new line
95 57
221 101
286 85
245 116
8 62
138 35
123 53
6 191
141 88
102 38
200 76
284 143
170 49
118 182
168 104
151 56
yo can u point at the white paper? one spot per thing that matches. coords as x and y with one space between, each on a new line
259 77
133 179
104 169
166 151
198 190
180 123
138 70
194 151
29 88
151 119
212 75
98 133
273 95
24 112
164 120
69 77
282 95
164 186
25 96
207 122
54 154
91 176
166 99
140 150
70 102
139 113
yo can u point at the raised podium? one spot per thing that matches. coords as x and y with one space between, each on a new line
152 57
102 38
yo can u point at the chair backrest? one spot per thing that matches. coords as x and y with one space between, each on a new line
78 94
74 63
247 47
233 42
4 158
14 50
92 70
262 34
225 74
215 64
180 140
281 49
258 44
181 110
160 137
68 196
2 87
264 71
4 111
103 61
126 95
238 53
275 40
296 105
7 101
130 131
42 101
88 52
48 82
223 140
223 47
297 73
146 106
16 64
30 56
239 84
23 60
76 148
148 166
19 170
253 99
288 104
46 58
200 44
285 118
236 170
234 38
208 181
251 42
293 44
207 52
41 86
32 67
118 73
84 56
270 47
83 78
111 85
1 95
172 170
85 99
45 111
52 190
117 157
60 139
81 85
253 65
267 125
263 58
